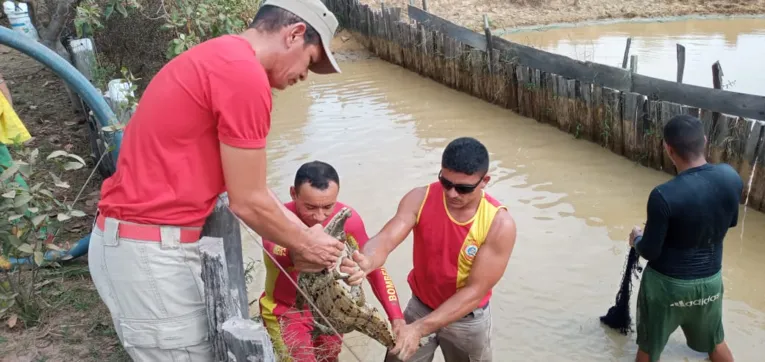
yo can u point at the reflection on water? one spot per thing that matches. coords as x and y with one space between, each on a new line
736 43
384 128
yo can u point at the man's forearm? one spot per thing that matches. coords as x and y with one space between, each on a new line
289 214
459 305
375 253
385 292
646 249
263 213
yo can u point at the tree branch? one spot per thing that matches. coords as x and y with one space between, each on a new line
32 5
50 34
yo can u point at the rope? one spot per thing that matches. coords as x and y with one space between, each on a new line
294 283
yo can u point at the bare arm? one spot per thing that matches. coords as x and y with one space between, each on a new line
289 214
377 249
5 91
489 266
251 200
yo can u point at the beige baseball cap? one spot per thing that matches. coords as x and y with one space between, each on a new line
315 14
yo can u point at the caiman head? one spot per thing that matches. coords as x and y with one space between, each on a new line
336 229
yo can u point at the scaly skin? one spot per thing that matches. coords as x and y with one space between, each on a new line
345 307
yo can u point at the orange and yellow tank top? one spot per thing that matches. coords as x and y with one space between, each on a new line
444 249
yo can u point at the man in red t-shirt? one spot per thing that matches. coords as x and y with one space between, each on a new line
314 201
200 130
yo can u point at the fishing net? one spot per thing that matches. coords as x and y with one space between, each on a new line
618 316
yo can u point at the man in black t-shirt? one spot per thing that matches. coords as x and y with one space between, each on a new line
688 218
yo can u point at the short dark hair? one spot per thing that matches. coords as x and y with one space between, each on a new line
272 18
318 174
685 134
465 155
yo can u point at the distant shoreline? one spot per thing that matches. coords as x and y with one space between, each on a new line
543 27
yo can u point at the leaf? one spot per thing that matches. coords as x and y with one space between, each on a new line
13 218
25 248
73 166
36 187
10 194
39 258
46 193
75 157
56 154
14 240
109 11
33 156
22 200
12 321
63 217
77 213
178 49
121 9
53 247
58 182
25 169
38 220
9 172
33 210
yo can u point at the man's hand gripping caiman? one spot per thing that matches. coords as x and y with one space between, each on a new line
344 306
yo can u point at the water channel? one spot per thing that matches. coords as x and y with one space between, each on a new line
383 128
736 43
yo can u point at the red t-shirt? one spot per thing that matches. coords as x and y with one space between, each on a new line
169 168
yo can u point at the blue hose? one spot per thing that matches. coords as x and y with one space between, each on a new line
86 91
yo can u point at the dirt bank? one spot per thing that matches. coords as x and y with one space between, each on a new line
512 13
76 325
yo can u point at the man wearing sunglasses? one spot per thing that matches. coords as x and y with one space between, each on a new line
463 239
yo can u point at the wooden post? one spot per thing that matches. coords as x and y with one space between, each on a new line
223 224
717 75
680 62
246 339
717 81
633 64
489 46
425 5
229 332
626 53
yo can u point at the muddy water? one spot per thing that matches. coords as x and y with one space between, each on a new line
736 43
384 128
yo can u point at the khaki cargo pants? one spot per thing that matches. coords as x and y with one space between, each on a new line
154 293
465 340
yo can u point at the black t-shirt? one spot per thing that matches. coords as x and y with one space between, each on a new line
688 218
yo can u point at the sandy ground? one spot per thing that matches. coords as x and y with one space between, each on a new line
513 13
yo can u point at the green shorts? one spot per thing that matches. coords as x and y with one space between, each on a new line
665 303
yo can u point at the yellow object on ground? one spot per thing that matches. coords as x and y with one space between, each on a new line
11 125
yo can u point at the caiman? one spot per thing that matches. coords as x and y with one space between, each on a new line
344 306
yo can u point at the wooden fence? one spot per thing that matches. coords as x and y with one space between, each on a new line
618 109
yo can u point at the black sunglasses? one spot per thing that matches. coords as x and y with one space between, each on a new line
460 188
